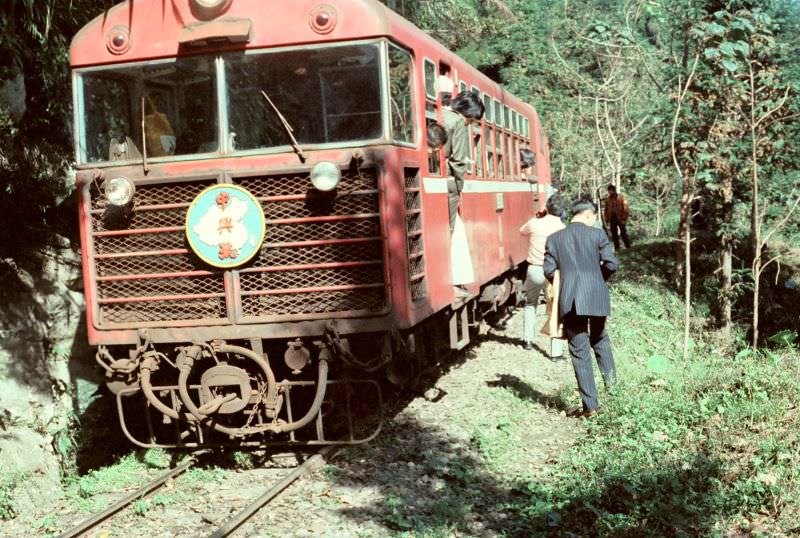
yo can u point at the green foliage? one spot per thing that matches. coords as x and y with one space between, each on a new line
36 148
8 485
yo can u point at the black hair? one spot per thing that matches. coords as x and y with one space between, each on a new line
582 203
447 98
468 104
526 158
555 205
444 68
612 188
437 136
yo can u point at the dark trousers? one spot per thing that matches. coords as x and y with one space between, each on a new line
618 228
583 333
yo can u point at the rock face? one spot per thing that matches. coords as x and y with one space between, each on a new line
45 377
12 95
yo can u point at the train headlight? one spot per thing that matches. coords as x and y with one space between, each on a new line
325 176
208 9
119 191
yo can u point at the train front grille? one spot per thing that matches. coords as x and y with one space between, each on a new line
322 255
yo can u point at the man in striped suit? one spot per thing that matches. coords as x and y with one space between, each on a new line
583 255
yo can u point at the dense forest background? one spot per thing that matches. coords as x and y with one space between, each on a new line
689 106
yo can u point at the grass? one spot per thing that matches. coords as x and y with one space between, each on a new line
702 447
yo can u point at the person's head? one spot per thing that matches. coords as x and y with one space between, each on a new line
468 104
555 205
444 69
527 158
437 136
612 190
584 210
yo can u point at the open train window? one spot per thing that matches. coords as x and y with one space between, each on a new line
435 157
401 109
430 79
487 105
477 149
498 113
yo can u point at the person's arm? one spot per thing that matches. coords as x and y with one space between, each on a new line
607 210
608 262
460 155
623 208
550 264
526 228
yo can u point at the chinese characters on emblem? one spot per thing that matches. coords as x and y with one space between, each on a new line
223 226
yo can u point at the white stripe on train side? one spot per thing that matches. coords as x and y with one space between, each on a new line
438 185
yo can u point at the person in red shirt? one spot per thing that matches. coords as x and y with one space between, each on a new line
616 215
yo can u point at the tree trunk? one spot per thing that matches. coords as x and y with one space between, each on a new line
755 230
726 262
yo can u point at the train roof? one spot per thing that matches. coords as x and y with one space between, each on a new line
155 29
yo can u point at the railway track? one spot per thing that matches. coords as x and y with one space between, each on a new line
227 528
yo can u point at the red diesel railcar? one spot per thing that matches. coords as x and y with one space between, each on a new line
263 229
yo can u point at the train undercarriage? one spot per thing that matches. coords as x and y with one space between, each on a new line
325 391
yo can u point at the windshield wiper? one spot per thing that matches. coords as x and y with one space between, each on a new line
286 127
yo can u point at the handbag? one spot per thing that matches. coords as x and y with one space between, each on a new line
553 326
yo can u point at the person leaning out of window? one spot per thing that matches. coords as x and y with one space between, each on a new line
465 108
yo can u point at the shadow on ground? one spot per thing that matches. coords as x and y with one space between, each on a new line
430 483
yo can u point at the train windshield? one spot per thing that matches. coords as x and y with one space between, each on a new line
326 95
176 102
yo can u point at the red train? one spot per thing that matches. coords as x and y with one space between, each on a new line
264 232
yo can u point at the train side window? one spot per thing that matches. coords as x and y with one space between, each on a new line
430 79
487 105
462 86
506 156
434 157
477 153
487 144
401 103
498 113
498 148
514 156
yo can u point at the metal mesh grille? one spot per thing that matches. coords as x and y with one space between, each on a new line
150 270
161 286
323 229
158 311
288 280
314 243
366 299
416 257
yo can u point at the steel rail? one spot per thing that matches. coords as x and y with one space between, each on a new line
235 522
122 503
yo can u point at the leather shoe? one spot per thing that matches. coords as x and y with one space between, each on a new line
583 413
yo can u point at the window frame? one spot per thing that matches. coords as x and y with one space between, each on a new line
415 131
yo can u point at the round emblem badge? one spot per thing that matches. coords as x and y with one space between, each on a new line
225 226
